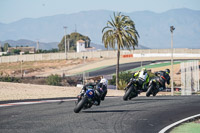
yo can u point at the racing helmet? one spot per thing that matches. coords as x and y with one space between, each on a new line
167 71
104 81
144 69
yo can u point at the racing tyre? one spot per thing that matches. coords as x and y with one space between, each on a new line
80 105
155 92
127 93
149 91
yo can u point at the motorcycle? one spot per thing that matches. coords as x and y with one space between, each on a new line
153 87
132 89
85 100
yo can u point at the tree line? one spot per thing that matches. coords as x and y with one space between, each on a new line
17 51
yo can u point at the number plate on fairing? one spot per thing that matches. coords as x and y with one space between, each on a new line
90 93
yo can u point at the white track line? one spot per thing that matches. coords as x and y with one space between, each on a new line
178 122
34 102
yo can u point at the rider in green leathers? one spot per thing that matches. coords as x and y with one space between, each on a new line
143 79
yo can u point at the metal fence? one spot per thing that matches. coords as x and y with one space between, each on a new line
189 77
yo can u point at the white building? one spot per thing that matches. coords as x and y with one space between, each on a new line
80 46
1 53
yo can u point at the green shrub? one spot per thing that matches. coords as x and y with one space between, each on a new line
122 84
54 80
123 77
7 78
16 51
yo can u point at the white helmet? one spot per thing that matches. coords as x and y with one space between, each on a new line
104 81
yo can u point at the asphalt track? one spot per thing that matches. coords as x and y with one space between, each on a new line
140 115
123 67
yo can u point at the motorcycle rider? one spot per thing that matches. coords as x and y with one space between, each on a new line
159 82
143 78
102 86
163 78
100 90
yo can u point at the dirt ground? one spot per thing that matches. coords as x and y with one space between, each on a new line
68 67
42 68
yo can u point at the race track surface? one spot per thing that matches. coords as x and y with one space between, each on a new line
124 67
140 115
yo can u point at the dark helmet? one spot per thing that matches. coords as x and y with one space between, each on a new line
167 71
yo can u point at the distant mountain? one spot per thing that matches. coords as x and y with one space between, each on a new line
50 45
24 42
98 46
153 28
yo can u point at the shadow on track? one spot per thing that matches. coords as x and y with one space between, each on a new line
61 102
148 99
108 111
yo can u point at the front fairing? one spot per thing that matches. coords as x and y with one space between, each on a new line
90 94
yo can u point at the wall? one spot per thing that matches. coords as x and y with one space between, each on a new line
180 53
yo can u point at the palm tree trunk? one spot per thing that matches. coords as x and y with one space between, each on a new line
117 69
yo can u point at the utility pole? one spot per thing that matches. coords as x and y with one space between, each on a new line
172 69
65 27
37 46
21 68
87 46
75 28
68 44
141 59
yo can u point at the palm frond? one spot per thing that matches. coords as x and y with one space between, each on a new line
120 31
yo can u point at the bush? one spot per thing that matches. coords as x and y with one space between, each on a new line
7 78
123 77
122 84
54 80
16 51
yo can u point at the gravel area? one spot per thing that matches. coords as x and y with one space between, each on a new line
16 91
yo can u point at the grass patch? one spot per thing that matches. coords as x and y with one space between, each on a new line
154 66
191 127
91 70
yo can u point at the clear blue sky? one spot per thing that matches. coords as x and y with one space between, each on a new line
13 10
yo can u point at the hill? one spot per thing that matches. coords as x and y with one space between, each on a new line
153 27
50 45
25 42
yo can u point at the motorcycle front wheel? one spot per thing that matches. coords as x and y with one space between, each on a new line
127 93
80 105
149 91
155 92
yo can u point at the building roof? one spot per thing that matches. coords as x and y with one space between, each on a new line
81 41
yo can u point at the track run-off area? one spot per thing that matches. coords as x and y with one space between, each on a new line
139 115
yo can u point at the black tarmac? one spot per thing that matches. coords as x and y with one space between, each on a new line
139 115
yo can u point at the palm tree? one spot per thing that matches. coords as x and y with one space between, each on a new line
121 31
